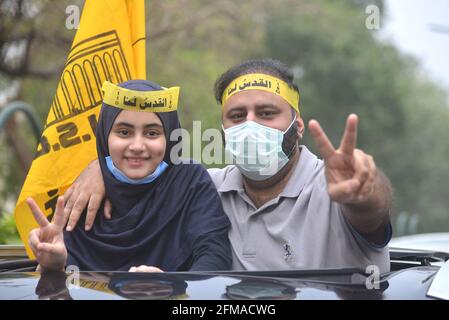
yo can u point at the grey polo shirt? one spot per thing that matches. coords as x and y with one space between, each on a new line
301 228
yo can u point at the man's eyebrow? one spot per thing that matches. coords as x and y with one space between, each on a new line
267 106
260 106
237 108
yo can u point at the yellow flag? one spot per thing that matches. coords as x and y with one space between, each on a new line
109 45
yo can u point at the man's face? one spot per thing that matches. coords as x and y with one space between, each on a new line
263 107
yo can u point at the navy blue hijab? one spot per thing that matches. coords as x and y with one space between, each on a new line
153 224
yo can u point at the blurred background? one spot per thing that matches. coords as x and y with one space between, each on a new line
391 69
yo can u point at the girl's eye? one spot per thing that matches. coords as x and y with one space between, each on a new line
153 133
123 132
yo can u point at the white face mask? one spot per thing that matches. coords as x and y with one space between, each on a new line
256 149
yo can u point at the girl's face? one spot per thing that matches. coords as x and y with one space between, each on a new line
137 143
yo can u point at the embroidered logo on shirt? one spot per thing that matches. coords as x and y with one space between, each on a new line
288 252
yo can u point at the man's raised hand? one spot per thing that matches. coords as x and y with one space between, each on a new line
350 172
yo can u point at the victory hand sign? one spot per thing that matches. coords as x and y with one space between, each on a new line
353 179
47 241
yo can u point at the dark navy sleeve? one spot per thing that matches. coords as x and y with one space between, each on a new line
388 232
208 226
212 252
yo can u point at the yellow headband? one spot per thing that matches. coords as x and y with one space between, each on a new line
265 82
149 101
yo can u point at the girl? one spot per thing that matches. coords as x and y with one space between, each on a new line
165 216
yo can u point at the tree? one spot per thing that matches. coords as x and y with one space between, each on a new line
342 68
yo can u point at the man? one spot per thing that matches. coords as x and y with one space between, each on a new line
288 209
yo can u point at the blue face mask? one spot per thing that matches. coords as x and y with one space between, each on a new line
256 149
120 176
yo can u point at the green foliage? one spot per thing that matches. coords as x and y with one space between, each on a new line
8 231
345 69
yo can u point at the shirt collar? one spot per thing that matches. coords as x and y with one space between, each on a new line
232 181
302 172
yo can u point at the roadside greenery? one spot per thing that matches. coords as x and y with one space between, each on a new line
8 231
